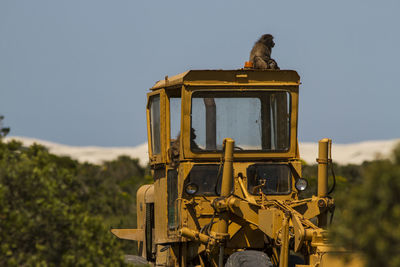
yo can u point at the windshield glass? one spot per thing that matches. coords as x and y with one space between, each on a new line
256 120
268 178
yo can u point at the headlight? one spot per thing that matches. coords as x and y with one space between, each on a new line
301 184
191 189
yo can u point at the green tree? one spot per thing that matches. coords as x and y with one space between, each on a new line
110 192
44 219
3 130
371 214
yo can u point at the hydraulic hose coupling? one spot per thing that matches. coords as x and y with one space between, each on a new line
220 204
194 235
322 203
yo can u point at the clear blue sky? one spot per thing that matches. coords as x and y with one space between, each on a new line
77 72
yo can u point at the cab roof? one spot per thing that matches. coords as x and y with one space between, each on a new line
230 77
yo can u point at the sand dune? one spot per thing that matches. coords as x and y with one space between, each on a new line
92 154
354 153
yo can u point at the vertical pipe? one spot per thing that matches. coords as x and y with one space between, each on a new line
282 120
284 256
227 175
183 246
211 124
227 181
323 167
221 256
322 160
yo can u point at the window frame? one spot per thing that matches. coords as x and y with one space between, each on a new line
292 89
158 158
172 93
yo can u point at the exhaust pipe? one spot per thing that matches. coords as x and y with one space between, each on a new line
324 147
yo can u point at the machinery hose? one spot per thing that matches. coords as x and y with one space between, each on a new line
334 180
331 165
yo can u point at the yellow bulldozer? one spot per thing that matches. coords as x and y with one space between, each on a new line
225 161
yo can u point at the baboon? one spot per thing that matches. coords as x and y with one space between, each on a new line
260 55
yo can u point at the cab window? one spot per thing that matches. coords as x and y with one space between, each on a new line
256 120
175 117
155 126
207 178
271 179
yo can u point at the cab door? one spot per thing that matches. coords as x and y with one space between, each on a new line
156 124
156 131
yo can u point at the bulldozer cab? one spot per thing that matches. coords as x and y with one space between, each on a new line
193 112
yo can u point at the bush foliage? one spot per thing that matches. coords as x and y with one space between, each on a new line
367 215
370 214
55 211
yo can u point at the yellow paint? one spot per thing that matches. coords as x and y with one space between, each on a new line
204 221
